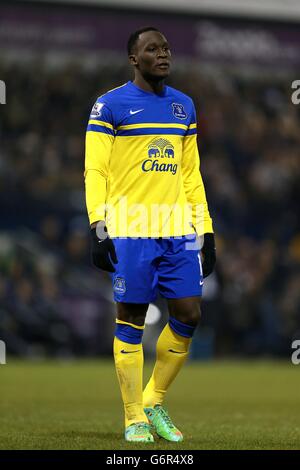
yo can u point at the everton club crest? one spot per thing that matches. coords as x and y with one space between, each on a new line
119 285
178 111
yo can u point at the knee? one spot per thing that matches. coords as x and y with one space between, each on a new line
190 314
132 313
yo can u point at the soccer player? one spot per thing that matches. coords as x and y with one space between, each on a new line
141 175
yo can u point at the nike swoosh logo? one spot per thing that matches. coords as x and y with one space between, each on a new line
137 111
128 352
201 283
176 352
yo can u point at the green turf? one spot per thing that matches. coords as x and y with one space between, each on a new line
219 405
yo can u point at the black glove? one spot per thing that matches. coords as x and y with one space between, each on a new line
208 251
103 251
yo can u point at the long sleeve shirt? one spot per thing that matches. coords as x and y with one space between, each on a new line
142 166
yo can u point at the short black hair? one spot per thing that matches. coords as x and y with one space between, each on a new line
134 37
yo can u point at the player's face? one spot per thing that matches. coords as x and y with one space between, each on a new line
152 55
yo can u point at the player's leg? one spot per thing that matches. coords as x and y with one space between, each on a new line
180 282
171 353
133 284
128 355
172 347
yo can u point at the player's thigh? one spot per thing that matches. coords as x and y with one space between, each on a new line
179 270
135 278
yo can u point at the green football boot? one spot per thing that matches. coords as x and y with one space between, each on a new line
138 432
162 423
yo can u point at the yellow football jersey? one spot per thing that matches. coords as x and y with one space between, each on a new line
142 172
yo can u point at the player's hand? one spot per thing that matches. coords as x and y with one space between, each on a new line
209 254
103 249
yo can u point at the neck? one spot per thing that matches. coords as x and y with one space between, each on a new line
149 85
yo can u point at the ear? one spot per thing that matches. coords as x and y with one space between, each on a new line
133 60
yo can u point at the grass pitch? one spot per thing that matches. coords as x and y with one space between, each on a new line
219 405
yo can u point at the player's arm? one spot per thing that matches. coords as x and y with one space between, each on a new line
98 147
196 197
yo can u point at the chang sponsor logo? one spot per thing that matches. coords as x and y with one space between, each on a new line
159 149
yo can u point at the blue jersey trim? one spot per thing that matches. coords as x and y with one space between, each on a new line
102 129
152 131
191 132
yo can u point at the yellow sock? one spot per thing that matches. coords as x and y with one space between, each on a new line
167 365
129 361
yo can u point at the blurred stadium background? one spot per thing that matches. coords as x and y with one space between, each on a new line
238 61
